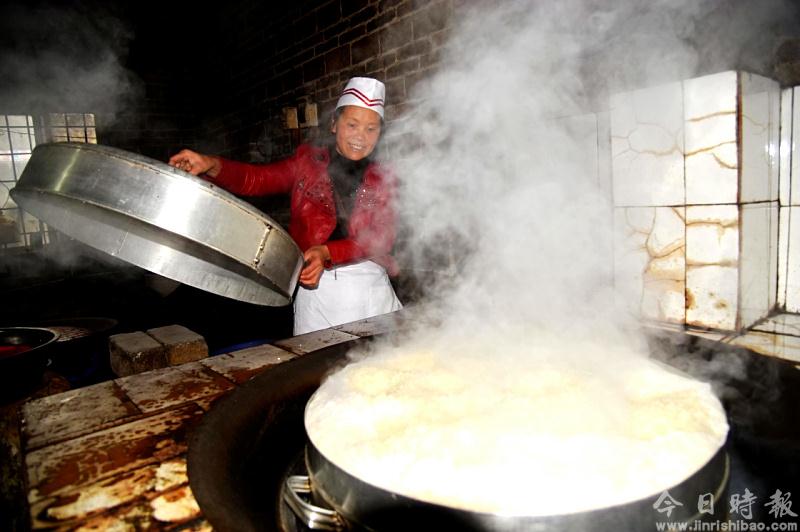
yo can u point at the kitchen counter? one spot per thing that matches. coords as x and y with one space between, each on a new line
113 455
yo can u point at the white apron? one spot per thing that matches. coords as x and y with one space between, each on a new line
344 294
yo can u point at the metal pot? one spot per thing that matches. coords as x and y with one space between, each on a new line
359 505
161 219
24 355
356 504
80 354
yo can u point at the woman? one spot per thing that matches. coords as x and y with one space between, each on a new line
342 212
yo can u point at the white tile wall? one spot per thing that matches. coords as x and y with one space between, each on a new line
793 258
760 137
736 171
711 156
650 264
711 296
647 146
757 262
785 179
783 255
632 226
712 266
774 239
787 98
794 186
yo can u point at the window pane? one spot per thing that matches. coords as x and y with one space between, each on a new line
4 188
6 168
75 119
20 141
17 120
76 134
57 119
17 141
19 163
5 147
58 133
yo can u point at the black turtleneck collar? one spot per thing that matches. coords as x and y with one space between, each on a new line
341 164
346 176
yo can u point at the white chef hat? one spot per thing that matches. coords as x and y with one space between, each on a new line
363 92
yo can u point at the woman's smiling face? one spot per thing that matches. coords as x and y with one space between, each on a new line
357 132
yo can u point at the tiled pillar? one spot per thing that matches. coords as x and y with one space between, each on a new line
789 257
695 192
758 197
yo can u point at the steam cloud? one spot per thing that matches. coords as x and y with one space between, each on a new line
500 171
506 182
64 59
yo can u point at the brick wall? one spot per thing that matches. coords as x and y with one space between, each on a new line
168 58
274 57
216 78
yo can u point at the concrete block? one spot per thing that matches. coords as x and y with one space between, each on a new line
135 352
181 344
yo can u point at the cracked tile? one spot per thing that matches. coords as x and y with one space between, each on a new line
711 151
647 147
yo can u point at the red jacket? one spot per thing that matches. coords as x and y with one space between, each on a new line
371 227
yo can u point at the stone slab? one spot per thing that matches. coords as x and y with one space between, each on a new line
181 344
306 343
169 387
240 366
135 352
75 413
374 325
64 467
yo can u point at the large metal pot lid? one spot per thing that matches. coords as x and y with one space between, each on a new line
161 219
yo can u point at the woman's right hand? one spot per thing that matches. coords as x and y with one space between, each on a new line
195 163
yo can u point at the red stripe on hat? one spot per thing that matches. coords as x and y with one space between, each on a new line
371 102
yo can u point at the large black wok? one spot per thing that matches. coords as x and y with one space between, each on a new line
240 454
245 446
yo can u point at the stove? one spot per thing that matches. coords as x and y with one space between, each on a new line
253 439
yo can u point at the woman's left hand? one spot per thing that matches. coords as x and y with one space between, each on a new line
315 258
